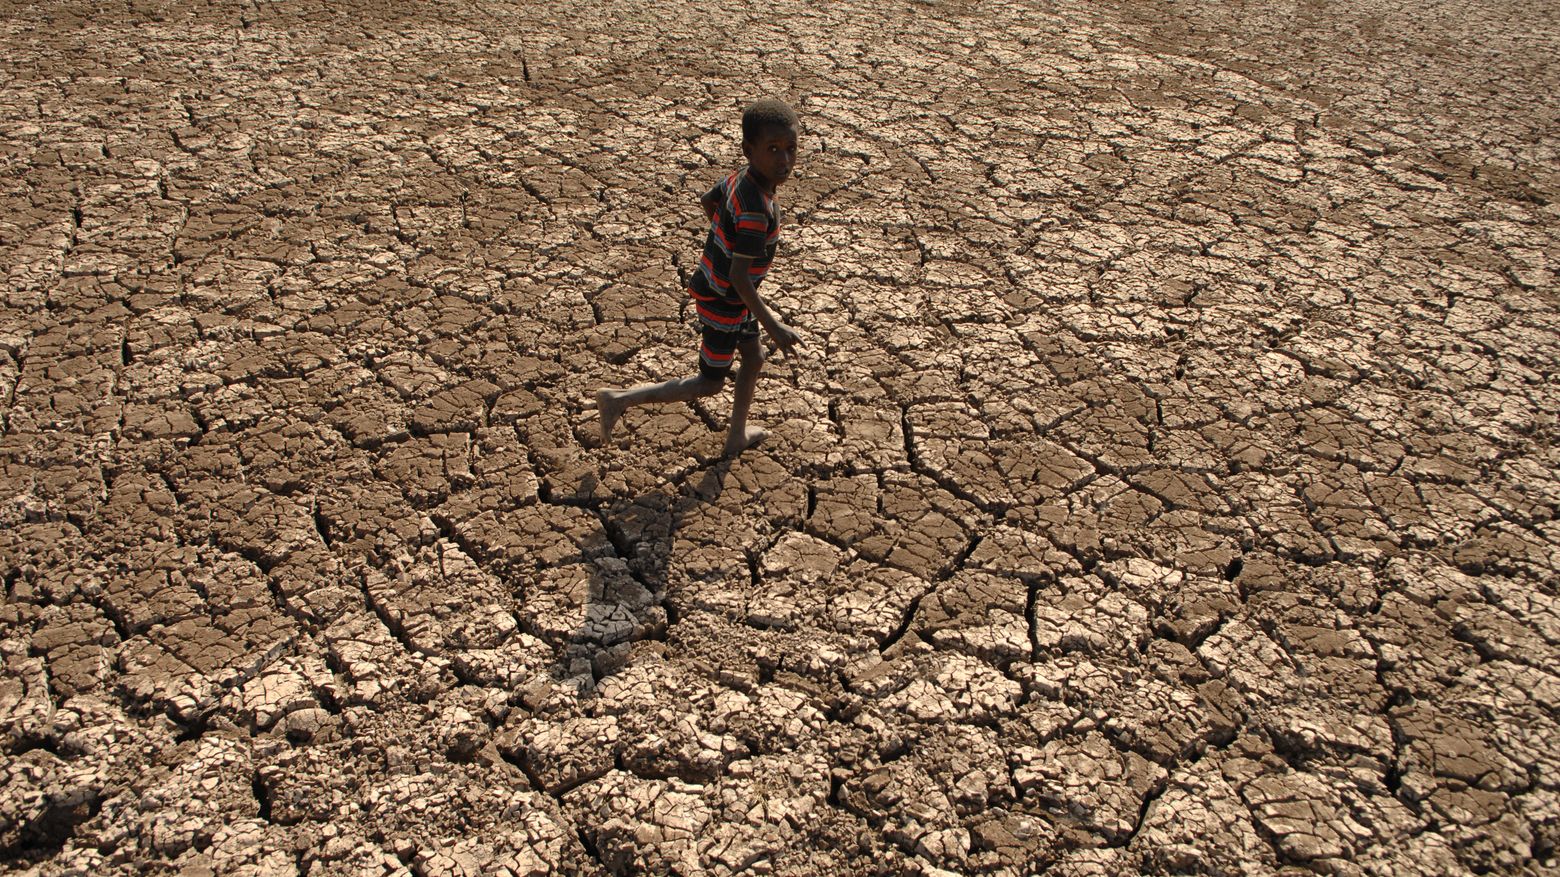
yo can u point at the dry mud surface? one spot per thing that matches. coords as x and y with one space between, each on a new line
1170 486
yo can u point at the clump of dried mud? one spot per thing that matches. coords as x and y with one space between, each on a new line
1171 488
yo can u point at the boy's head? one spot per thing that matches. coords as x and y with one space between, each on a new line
769 132
766 113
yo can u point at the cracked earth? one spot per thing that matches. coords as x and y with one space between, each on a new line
1170 486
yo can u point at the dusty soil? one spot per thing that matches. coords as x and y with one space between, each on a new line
1169 487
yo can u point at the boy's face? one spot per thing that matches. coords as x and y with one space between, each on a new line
772 153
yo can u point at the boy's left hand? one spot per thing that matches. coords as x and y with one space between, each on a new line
785 338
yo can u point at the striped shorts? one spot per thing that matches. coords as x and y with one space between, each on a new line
722 326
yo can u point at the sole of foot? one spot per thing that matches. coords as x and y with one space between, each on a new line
608 410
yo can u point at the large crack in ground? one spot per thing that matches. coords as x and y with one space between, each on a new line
1167 486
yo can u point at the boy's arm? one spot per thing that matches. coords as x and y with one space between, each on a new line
785 337
710 201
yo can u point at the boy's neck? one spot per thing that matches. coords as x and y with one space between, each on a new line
762 181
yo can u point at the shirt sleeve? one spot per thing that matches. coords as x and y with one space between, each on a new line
749 220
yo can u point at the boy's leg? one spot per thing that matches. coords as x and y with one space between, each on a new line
610 404
716 350
740 436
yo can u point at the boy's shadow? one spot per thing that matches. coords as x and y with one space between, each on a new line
626 600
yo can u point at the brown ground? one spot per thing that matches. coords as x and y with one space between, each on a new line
1170 487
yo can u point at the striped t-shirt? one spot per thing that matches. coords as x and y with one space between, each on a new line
747 223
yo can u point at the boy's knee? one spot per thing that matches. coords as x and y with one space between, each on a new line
704 385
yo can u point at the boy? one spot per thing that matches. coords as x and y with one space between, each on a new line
744 228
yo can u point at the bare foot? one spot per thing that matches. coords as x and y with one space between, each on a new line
750 437
609 408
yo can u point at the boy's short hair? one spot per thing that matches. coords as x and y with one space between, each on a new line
765 113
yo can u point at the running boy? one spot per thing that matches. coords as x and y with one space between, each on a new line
744 228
